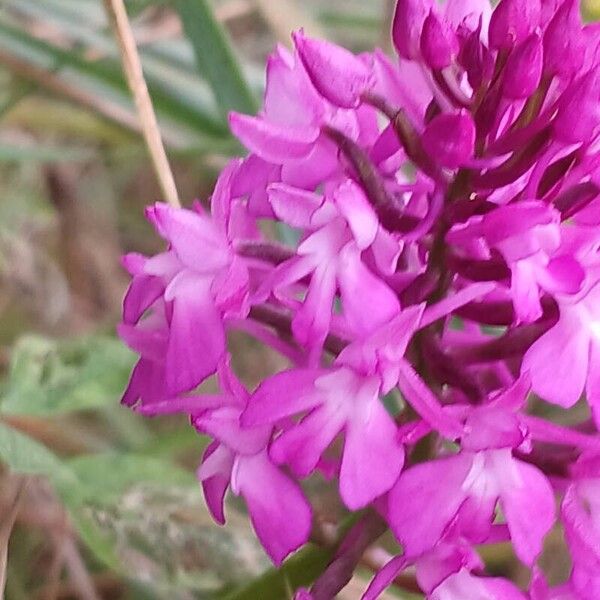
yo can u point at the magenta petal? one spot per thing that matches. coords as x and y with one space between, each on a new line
280 514
283 395
582 527
214 474
439 44
564 48
593 381
146 383
141 294
196 336
338 75
373 455
523 69
408 24
558 361
195 238
311 323
223 425
384 577
420 524
301 446
274 143
356 283
449 139
529 507
512 21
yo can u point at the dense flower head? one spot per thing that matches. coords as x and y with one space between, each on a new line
445 207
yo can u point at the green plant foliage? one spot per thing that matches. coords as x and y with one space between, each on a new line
50 377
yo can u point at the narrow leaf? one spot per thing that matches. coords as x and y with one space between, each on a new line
215 57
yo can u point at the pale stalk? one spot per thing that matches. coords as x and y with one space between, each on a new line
132 67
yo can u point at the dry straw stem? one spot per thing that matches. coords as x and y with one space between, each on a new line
135 77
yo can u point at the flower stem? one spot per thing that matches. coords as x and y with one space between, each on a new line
132 66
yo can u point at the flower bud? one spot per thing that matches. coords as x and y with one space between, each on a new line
337 74
578 118
450 138
407 26
523 69
563 41
512 21
439 44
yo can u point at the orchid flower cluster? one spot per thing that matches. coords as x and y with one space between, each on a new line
442 294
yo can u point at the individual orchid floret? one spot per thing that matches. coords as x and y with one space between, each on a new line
528 236
339 399
465 488
337 74
512 21
341 227
238 459
288 132
189 288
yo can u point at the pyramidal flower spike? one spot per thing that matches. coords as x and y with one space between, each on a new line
437 308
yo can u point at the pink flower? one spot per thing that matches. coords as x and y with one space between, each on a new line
463 489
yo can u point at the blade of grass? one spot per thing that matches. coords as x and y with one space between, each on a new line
215 57
135 76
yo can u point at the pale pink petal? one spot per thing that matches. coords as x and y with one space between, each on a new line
373 455
356 209
223 425
529 507
311 323
294 206
558 361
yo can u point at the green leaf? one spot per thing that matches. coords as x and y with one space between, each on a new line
215 57
24 455
108 476
49 377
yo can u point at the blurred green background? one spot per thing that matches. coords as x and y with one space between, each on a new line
96 502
